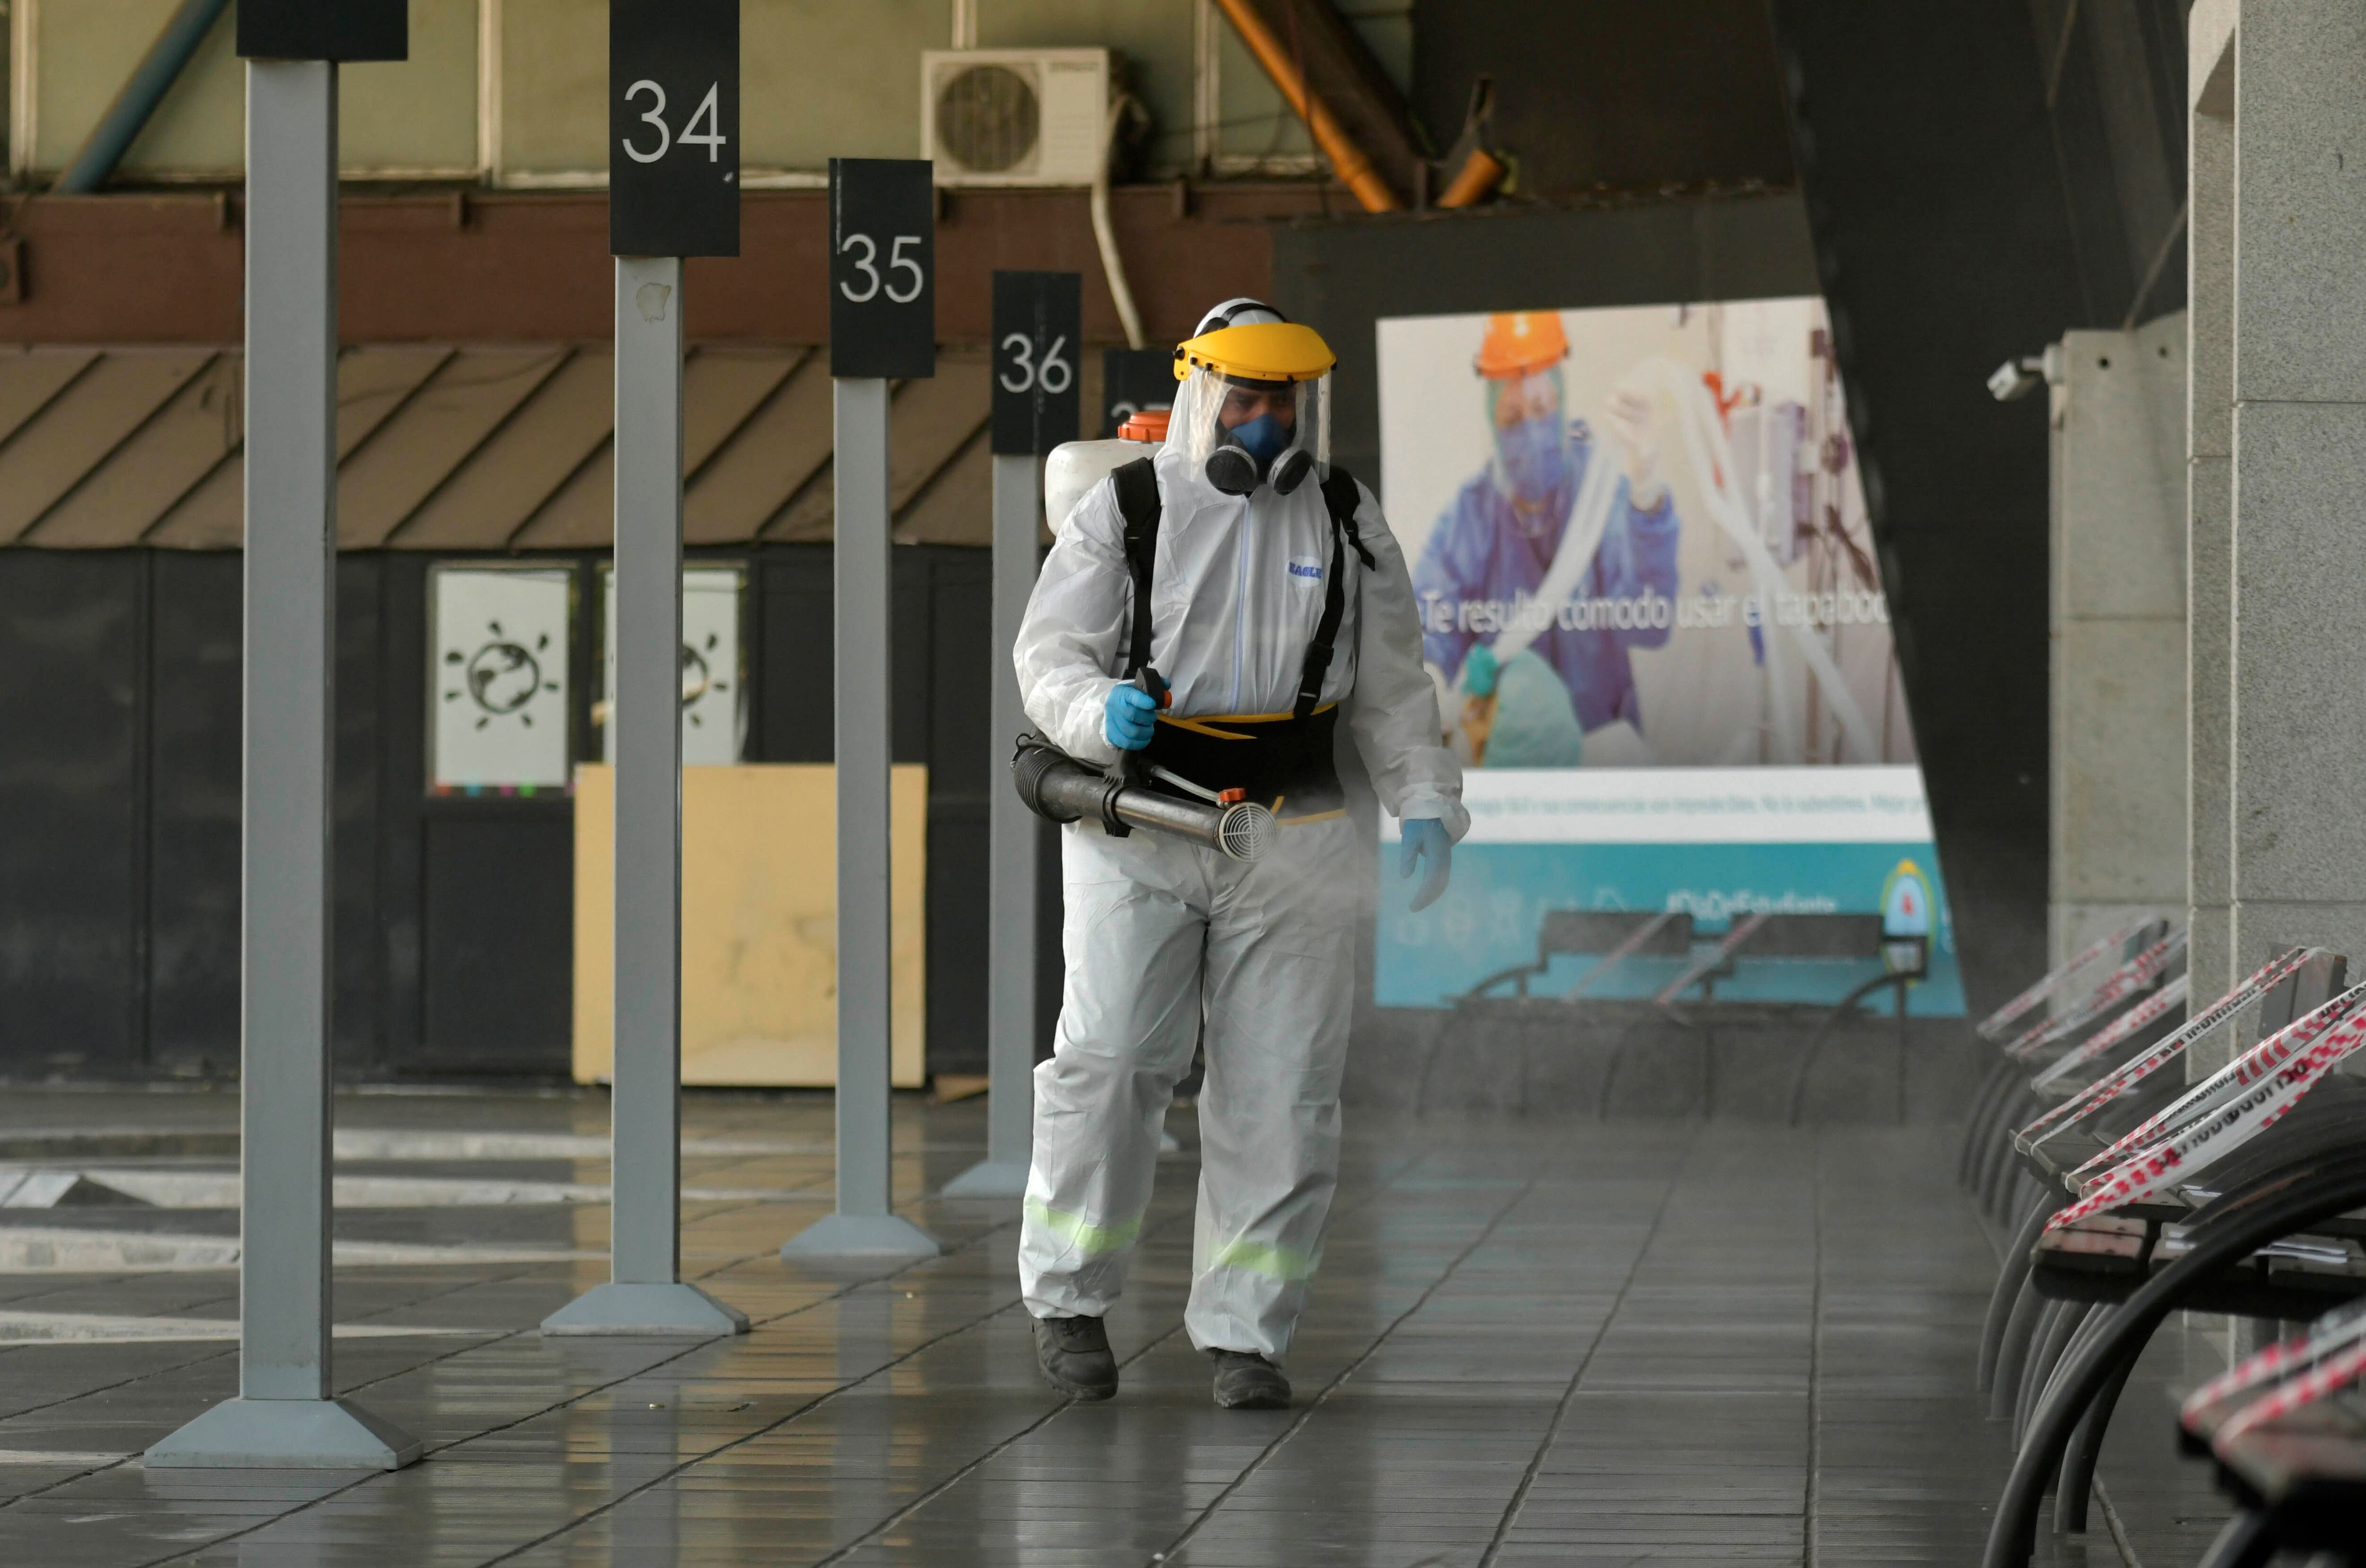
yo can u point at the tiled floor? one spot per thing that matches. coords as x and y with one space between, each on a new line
1530 1343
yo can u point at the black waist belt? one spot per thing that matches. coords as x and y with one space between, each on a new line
1279 761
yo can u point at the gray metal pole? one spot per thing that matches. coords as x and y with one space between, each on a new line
865 1223
644 1295
646 1121
283 1414
1011 857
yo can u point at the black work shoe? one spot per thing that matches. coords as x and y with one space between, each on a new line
1245 1380
1074 1355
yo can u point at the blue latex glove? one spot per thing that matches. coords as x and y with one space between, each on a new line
1479 671
1424 840
1127 717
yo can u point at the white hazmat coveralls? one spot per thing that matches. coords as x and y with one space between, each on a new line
1159 930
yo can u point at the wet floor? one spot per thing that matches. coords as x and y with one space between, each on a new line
1529 1343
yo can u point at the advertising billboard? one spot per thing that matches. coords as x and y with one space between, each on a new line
1652 605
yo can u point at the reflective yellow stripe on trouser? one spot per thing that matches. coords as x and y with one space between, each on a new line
1156 929
1088 1240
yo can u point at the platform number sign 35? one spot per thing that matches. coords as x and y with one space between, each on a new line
882 266
1038 322
673 128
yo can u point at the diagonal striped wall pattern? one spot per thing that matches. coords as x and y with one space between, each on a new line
479 447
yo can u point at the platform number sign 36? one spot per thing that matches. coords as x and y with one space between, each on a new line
882 266
673 128
1037 321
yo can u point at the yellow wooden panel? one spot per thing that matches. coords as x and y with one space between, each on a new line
759 924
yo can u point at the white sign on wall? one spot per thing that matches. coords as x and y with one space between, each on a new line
497 677
714 693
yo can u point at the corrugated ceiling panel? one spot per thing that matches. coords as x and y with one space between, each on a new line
79 427
722 387
933 420
581 515
211 517
721 390
30 378
957 506
536 450
373 382
928 422
470 448
753 476
385 480
121 499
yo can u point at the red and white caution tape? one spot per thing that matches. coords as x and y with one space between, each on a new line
2227 1082
2340 1327
2149 1010
1998 1024
2129 1074
2335 1372
2117 987
2230 1128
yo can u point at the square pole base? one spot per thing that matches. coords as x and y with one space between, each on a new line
859 1238
990 1179
675 1311
285 1434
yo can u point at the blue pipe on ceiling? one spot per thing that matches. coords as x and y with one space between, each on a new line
141 92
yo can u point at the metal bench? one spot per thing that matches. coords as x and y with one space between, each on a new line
1610 936
1616 938
2287 1431
2264 1225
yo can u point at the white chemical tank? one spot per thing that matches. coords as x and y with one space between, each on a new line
1073 469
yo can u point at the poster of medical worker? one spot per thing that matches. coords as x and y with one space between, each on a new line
1638 537
1650 602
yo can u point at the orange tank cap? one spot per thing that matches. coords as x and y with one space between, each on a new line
1150 424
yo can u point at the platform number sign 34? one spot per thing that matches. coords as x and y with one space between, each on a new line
673 128
1037 321
882 266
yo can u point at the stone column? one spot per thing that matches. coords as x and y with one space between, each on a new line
2298 455
2117 563
2210 529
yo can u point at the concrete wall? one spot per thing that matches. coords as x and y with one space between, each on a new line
2117 623
518 88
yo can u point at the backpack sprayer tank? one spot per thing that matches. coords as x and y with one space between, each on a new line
1056 786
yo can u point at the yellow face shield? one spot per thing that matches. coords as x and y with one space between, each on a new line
1258 351
1255 405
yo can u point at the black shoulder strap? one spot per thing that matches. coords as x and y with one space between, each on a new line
1340 493
1340 496
1137 501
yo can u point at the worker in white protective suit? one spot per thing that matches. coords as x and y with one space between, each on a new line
1279 606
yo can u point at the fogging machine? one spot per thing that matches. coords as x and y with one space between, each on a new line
1056 786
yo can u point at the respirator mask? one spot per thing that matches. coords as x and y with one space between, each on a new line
1254 406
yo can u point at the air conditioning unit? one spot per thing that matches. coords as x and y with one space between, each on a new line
1015 116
